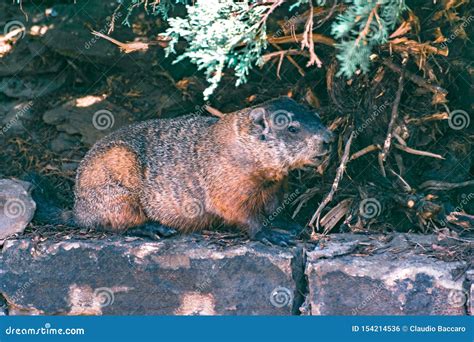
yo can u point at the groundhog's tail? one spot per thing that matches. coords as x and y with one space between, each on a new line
48 205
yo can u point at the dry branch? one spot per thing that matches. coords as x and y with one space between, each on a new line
308 42
335 185
417 152
317 38
364 151
393 119
131 46
438 185
420 81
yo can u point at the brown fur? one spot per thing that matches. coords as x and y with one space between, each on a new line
192 172
116 165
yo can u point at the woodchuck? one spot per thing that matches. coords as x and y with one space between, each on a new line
193 172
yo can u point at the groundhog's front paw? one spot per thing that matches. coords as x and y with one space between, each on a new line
276 237
152 230
288 226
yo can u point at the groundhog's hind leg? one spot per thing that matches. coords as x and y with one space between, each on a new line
112 208
107 190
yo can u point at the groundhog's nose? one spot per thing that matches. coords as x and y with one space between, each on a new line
323 140
328 137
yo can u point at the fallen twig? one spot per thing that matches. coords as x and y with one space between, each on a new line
12 34
428 118
406 187
330 195
308 194
404 45
132 46
125 47
329 15
214 111
290 59
420 81
289 52
317 38
393 119
418 152
334 215
437 185
365 150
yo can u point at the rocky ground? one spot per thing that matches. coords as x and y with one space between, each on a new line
347 275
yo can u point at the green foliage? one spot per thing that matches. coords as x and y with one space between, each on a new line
220 34
224 34
364 25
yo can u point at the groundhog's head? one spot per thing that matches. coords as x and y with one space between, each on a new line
289 134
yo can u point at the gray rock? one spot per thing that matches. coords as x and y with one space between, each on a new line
16 207
471 300
3 307
348 275
31 87
16 117
64 142
71 35
5 107
30 57
470 277
182 275
76 41
92 117
393 279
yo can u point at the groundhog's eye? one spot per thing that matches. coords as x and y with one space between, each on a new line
293 129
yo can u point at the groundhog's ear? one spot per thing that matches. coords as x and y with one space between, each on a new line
260 120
